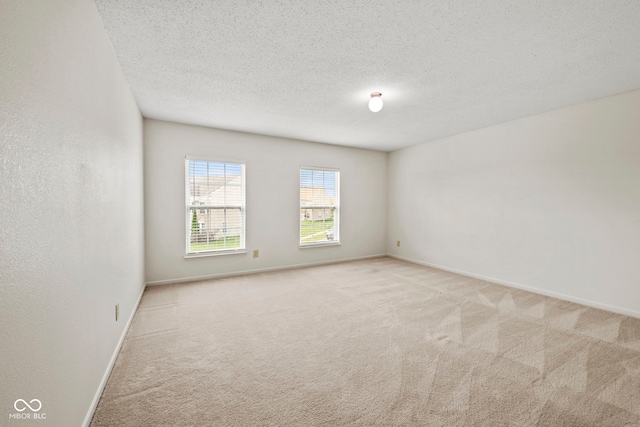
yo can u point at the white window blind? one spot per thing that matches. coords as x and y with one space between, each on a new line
215 208
319 206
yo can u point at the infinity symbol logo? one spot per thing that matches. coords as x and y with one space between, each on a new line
26 405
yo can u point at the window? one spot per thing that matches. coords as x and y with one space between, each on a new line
319 206
215 208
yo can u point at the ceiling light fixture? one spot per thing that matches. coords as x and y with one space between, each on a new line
375 103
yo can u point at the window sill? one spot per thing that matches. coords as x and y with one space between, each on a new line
319 245
216 253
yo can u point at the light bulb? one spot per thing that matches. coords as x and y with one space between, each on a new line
375 103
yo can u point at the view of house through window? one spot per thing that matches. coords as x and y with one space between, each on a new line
215 206
319 206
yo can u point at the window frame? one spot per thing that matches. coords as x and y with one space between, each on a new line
336 207
198 207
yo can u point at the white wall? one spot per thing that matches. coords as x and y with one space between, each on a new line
71 212
550 202
272 170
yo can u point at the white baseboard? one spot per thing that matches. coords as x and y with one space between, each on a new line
569 298
114 356
257 270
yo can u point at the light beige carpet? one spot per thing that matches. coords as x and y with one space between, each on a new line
376 342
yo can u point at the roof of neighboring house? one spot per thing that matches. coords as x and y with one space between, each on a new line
229 194
202 187
310 196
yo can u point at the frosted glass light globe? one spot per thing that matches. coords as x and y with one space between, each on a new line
375 103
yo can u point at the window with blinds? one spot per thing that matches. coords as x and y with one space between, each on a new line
319 206
215 208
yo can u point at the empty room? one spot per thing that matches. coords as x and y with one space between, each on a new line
333 213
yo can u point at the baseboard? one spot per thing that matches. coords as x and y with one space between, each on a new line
257 270
114 356
564 297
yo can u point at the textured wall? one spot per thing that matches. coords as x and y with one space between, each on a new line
71 212
272 169
550 202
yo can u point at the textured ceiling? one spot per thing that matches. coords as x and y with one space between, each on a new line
304 70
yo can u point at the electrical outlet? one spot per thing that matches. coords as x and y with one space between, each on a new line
398 243
256 253
117 311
